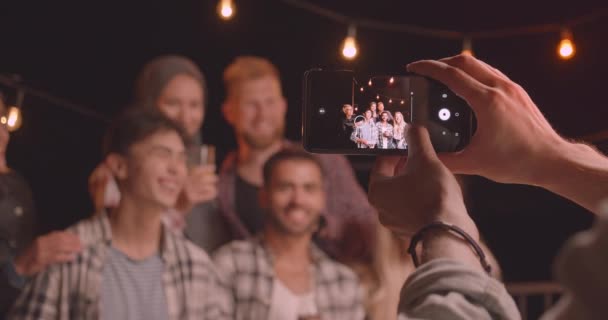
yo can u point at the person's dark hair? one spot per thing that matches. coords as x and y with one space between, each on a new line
3 107
288 154
135 125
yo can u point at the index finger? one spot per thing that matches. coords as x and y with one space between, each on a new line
203 169
457 80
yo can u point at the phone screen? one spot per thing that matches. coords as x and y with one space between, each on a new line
371 116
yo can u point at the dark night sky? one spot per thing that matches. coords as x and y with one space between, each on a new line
91 52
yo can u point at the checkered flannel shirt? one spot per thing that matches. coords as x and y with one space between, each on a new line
247 275
72 290
389 143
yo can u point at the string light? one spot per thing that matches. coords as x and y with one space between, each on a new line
349 47
362 89
566 49
467 46
225 8
369 82
14 118
391 80
377 97
402 102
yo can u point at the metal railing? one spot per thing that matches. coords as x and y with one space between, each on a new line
525 292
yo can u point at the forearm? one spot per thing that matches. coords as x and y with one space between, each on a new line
579 173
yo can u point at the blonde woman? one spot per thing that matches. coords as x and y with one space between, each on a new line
399 129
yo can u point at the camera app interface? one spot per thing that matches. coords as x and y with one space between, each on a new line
353 116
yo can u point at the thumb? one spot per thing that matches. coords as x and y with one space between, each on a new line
457 162
420 148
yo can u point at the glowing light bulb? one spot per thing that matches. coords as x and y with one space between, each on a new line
402 102
226 9
349 47
391 80
369 82
378 97
361 89
349 50
467 46
390 100
566 48
14 119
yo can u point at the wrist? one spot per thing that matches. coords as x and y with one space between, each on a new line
577 172
446 243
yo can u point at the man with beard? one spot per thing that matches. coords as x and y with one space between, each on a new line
378 118
255 108
280 274
385 132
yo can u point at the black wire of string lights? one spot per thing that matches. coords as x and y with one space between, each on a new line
13 119
565 49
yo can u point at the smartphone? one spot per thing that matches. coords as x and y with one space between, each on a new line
370 116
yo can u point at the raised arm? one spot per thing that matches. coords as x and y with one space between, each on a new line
514 143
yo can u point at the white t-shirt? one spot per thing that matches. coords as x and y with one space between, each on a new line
285 305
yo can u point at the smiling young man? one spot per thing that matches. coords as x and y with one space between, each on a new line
280 273
130 266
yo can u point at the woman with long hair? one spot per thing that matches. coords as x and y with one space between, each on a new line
399 129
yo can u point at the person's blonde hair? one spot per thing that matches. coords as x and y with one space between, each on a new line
246 68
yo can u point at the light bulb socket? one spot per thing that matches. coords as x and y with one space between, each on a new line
467 45
19 98
351 31
566 34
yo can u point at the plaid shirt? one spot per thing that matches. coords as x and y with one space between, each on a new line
72 290
381 138
367 131
247 274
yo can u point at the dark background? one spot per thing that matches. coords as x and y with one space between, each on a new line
90 52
